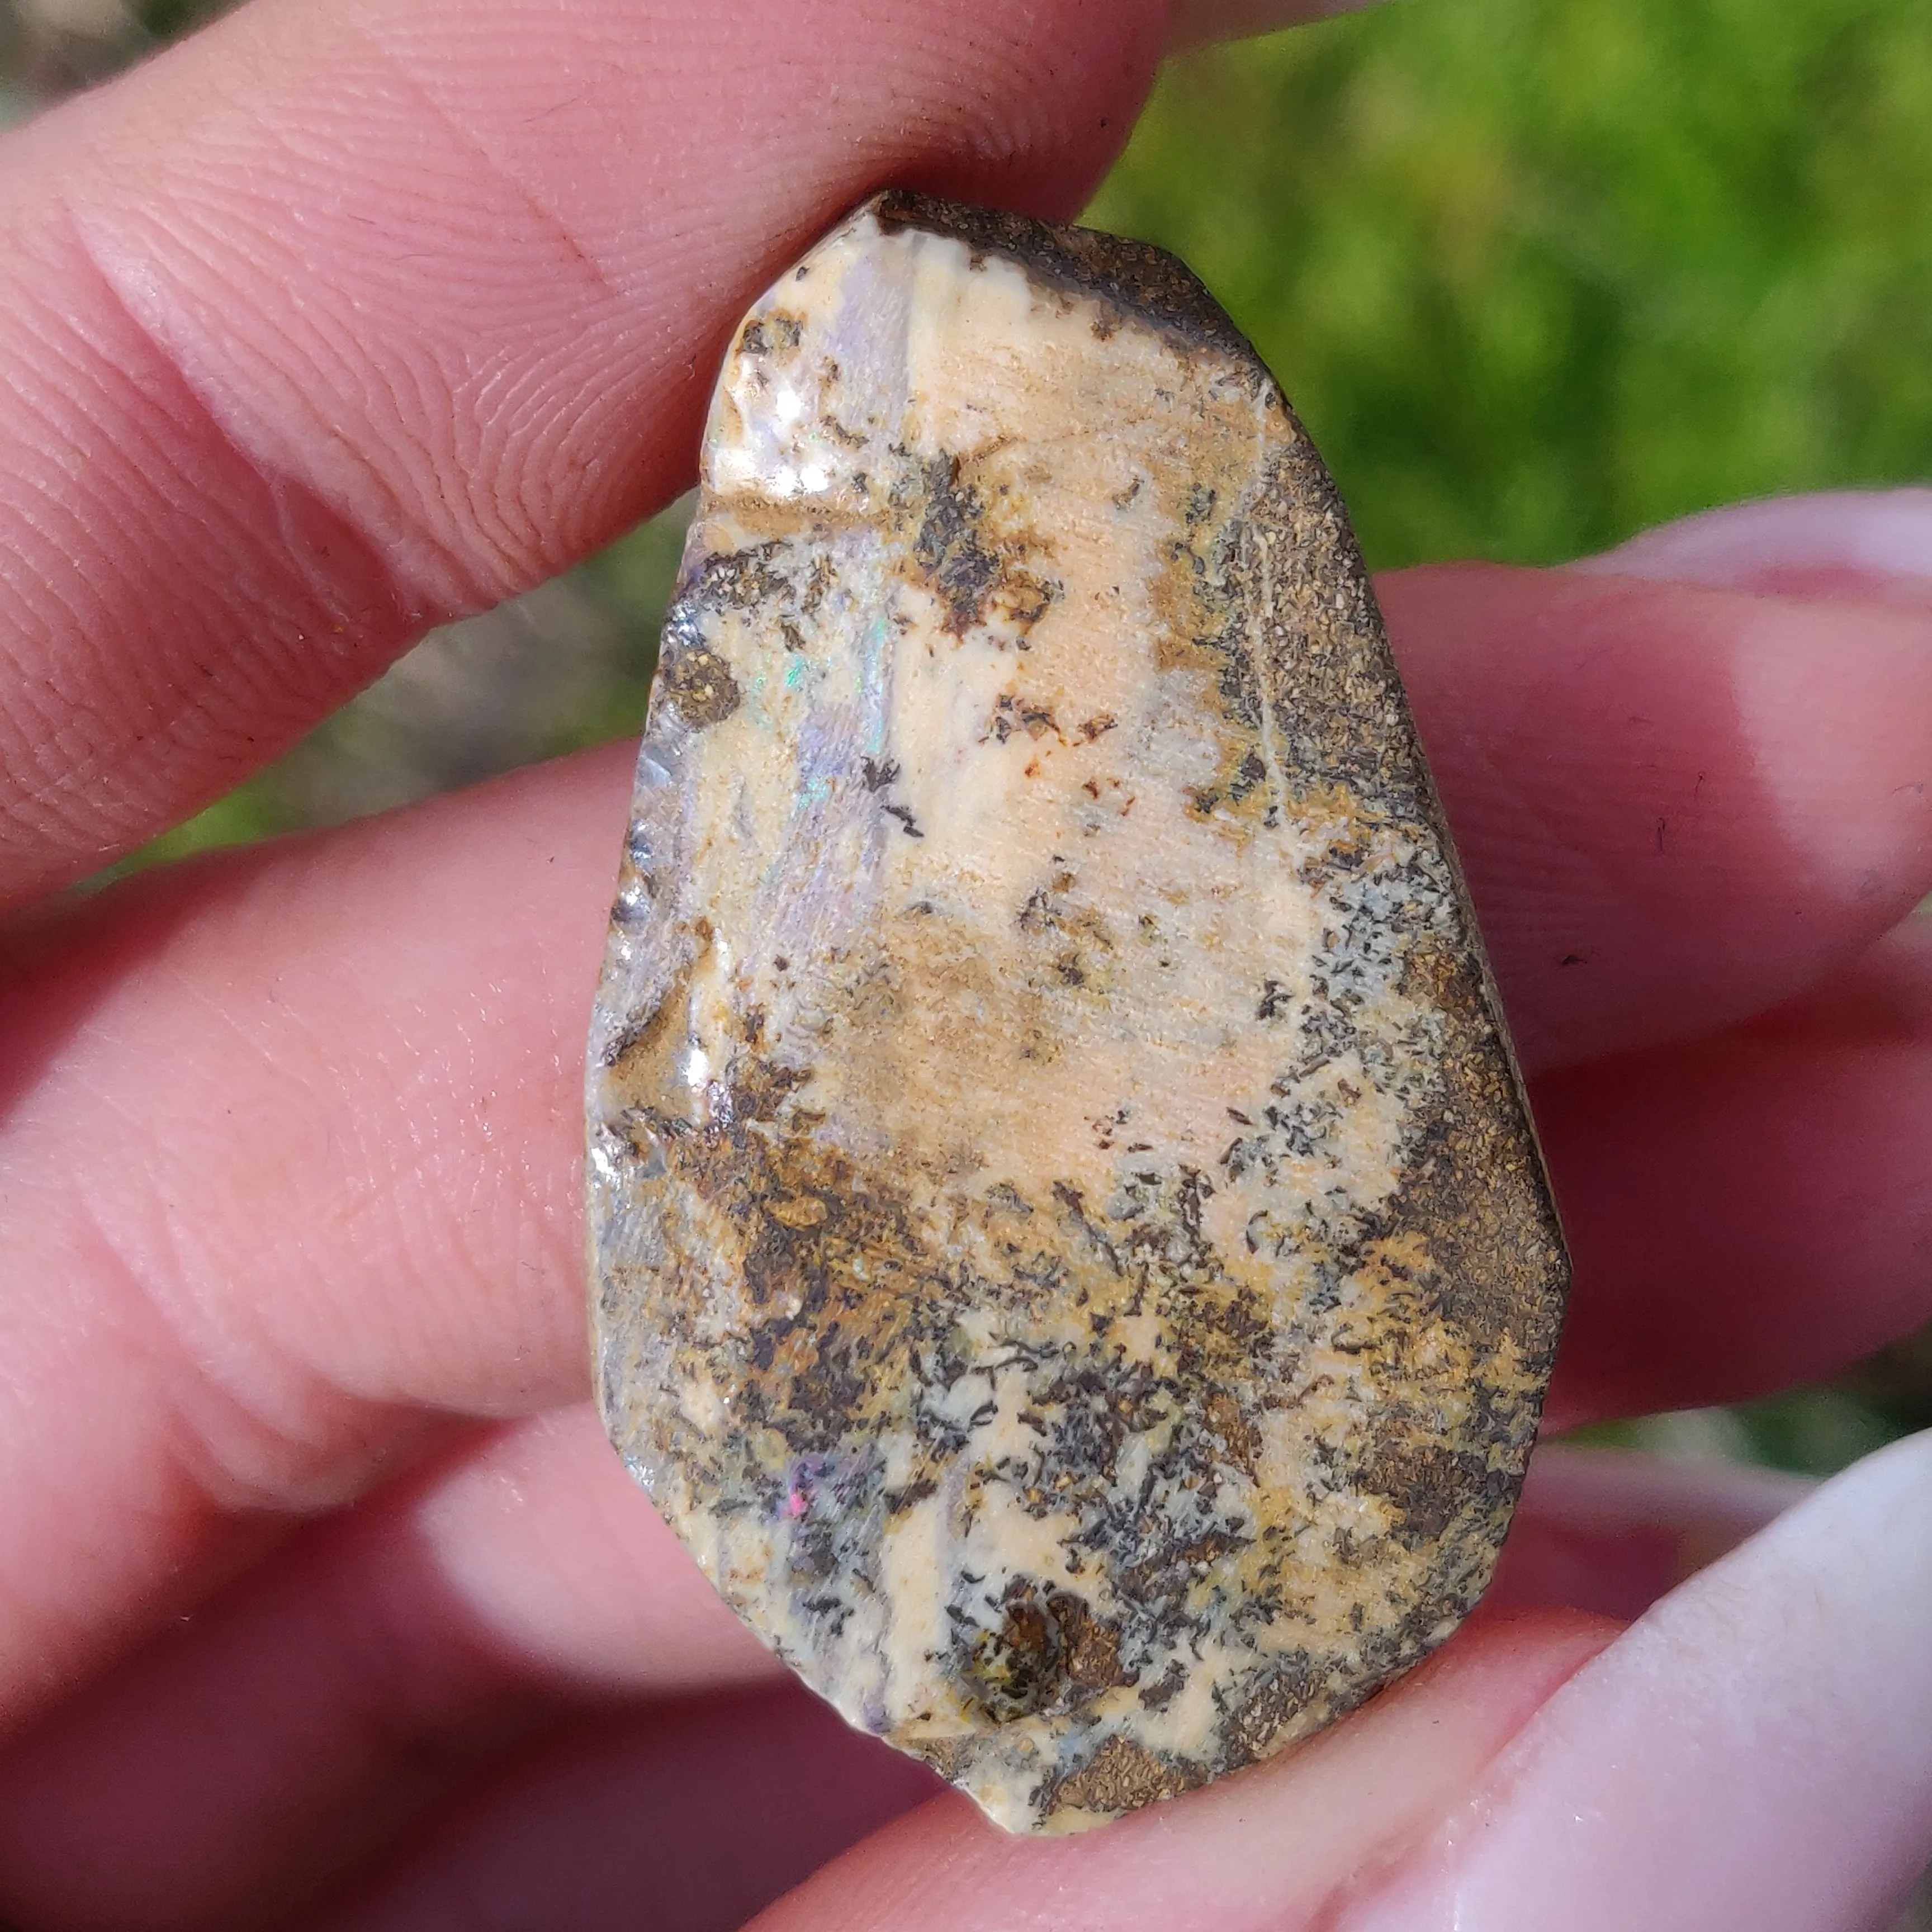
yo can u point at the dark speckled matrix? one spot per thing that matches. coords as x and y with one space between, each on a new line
1070 1257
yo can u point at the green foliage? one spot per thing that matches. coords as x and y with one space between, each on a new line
1539 273
252 811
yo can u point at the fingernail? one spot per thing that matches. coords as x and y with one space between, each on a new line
1834 543
1757 1751
1199 23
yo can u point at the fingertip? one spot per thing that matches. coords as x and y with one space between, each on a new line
1757 1750
1853 545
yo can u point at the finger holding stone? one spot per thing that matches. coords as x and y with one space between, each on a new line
710 1810
302 1718
373 1667
331 323
1763 1683
488 1597
1677 806
291 1162
573 1853
1753 1210
1757 1751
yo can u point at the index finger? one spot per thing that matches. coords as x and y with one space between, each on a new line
335 322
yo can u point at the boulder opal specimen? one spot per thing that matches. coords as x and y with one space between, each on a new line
1071 1257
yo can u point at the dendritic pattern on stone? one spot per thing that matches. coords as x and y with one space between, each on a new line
1071 1259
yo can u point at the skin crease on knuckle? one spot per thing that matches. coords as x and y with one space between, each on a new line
293 1307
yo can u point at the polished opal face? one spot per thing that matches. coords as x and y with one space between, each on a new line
1070 1256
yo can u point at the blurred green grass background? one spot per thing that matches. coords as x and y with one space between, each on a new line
1540 273
1536 273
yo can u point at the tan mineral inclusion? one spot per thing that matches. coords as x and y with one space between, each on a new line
1071 1259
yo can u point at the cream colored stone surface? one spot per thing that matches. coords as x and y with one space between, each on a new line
1071 1260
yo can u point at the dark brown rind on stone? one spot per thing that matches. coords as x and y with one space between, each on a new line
1135 278
698 684
1121 1776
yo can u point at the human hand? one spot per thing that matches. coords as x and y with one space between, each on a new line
322 1599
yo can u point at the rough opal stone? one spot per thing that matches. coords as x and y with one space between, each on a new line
1071 1259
